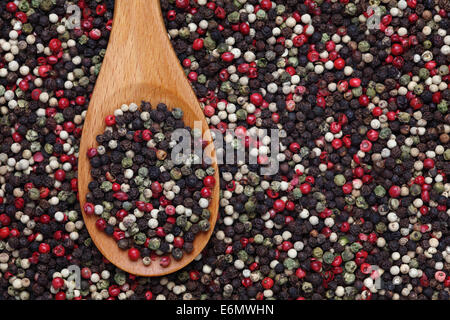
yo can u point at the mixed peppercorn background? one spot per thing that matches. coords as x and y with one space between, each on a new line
364 127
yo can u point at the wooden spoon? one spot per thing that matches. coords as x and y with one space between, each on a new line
139 64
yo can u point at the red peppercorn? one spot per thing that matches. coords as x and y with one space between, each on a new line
428 163
416 103
182 4
290 206
21 16
339 63
320 101
305 188
396 49
279 205
17 137
160 232
227 56
170 210
100 224
365 146
347 188
316 265
224 75
347 141
11 7
114 290
193 76
355 82
4 233
377 111
156 187
121 196
44 248
267 283
110 120
246 282
336 143
59 251
63 103
420 180
256 99
209 181
300 273
134 254
86 273
345 227
60 175
194 275
115 187
60 296
43 71
54 45
313 56
165 261
24 85
335 127
88 208
80 100
337 261
178 242
244 28
299 40
275 117
95 34
100 9
391 115
411 3
394 191
294 147
221 14
372 135
118 235
363 100
198 44
205 192
5 220
425 195
286 245
266 5
148 295
57 283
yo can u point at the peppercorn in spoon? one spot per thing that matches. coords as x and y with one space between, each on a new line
139 64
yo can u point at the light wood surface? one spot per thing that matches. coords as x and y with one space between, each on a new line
139 64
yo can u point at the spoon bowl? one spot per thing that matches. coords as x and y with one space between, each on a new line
140 65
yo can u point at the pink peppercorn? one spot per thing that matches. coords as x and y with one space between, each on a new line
165 261
394 191
440 276
134 254
182 4
88 208
428 163
227 57
365 146
57 283
339 64
198 44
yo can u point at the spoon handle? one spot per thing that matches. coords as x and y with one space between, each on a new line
140 51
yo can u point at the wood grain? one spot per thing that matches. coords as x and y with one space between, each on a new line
139 64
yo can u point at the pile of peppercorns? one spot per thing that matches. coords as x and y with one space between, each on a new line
359 207
148 199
